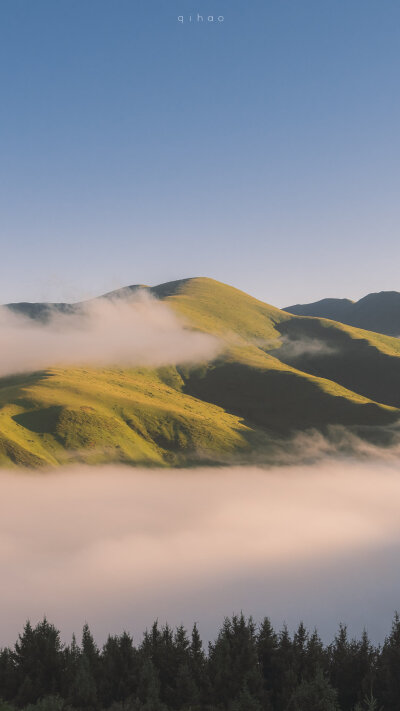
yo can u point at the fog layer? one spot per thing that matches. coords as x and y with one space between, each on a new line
119 547
143 331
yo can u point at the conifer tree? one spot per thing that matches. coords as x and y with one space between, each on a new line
388 682
119 673
343 669
83 690
72 654
287 672
8 675
267 651
316 657
245 702
90 649
149 688
299 650
234 661
314 695
198 665
187 694
38 660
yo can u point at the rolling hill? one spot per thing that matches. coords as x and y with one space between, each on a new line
277 375
375 312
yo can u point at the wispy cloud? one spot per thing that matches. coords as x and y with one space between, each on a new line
143 332
312 347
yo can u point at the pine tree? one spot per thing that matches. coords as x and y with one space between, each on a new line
72 655
149 688
119 672
343 669
8 675
187 694
89 649
365 667
299 650
287 672
267 651
388 673
314 695
198 665
316 656
38 658
83 690
245 702
233 661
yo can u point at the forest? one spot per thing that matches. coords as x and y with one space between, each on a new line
247 667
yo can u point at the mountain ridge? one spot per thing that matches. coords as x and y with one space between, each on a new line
377 311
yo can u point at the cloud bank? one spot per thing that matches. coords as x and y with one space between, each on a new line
120 547
103 332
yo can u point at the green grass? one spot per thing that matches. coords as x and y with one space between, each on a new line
216 308
215 412
94 416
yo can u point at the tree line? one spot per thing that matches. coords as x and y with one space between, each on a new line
246 668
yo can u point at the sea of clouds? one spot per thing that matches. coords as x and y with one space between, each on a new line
119 547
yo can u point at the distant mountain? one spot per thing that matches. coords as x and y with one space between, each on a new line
278 375
378 312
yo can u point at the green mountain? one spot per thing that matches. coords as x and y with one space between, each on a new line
277 375
375 312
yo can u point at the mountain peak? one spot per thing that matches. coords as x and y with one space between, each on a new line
379 311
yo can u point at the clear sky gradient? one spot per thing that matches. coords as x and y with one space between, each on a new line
263 151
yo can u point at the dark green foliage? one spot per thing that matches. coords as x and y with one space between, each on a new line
352 668
49 703
248 668
314 695
119 677
39 663
5 706
149 688
389 669
245 701
233 663
268 660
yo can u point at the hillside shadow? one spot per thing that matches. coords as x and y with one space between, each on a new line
41 421
330 353
279 400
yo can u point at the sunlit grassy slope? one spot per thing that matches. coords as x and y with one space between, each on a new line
277 374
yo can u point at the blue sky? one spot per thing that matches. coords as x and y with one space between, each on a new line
262 151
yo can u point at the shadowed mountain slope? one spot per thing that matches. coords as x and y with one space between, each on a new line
375 312
277 375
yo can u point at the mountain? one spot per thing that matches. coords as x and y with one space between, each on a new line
376 312
278 375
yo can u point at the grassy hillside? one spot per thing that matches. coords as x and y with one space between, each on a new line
278 374
135 416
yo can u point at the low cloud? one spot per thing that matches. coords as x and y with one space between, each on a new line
312 347
120 546
358 443
139 332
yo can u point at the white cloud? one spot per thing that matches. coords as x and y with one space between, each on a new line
142 331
